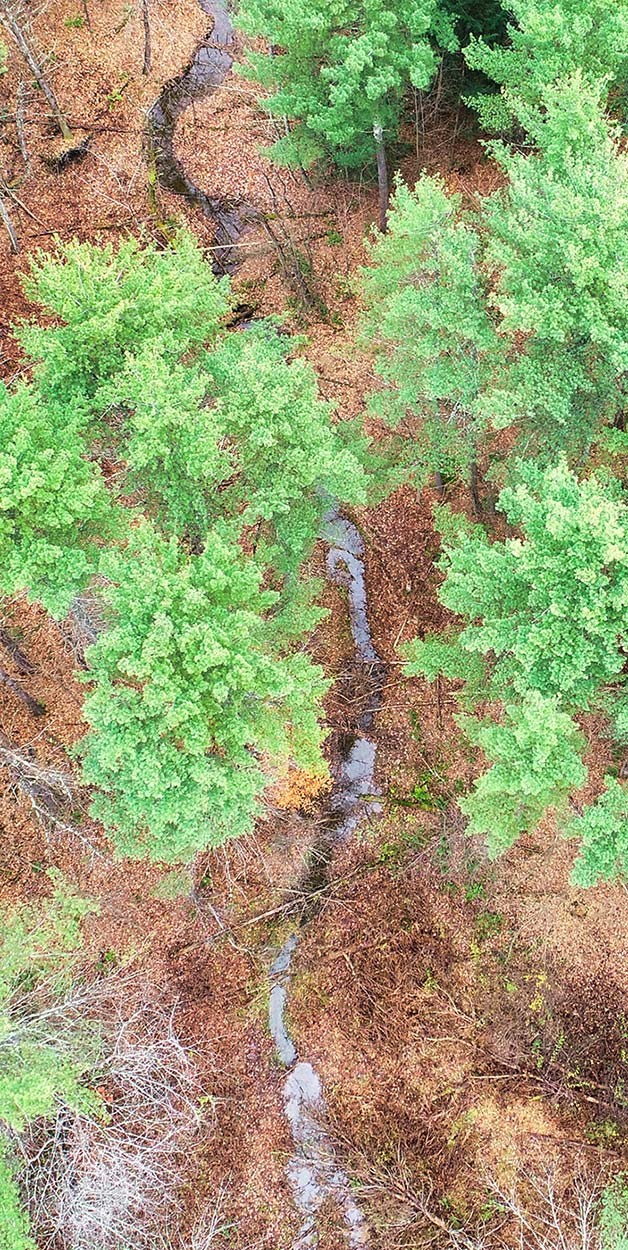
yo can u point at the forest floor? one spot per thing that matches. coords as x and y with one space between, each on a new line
470 1020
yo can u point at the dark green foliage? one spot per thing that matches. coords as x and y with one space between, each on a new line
547 43
339 69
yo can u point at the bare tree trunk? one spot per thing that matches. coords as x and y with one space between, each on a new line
19 125
14 28
438 482
147 46
382 176
474 488
88 20
8 224
36 708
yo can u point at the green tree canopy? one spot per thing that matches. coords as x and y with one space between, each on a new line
337 70
197 690
55 510
544 613
225 461
427 318
548 43
514 314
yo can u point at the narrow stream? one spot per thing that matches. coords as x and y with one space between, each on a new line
204 74
313 1170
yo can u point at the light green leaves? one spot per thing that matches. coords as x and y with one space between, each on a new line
436 346
193 690
544 613
535 757
55 510
549 42
603 832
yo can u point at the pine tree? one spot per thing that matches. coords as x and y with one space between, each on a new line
197 689
200 685
558 241
55 511
342 71
602 830
109 301
428 320
203 425
546 44
535 757
543 631
514 315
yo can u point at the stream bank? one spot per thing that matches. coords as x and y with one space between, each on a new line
313 1171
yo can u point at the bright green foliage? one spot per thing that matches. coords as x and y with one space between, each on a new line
110 301
54 507
208 425
550 606
225 444
549 42
546 614
613 1216
14 1222
193 691
536 761
603 833
287 458
558 241
435 342
3 59
172 444
517 316
37 1066
342 68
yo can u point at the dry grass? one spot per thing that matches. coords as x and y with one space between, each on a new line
113 1182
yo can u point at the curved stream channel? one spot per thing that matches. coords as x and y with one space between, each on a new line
313 1170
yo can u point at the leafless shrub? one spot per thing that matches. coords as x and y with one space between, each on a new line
112 1182
50 791
545 1214
552 1208
83 624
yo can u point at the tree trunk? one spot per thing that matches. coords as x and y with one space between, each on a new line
8 224
382 176
14 28
474 488
147 47
33 705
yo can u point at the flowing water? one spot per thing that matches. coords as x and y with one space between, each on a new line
204 74
313 1170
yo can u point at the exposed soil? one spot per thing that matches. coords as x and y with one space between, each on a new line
464 1016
